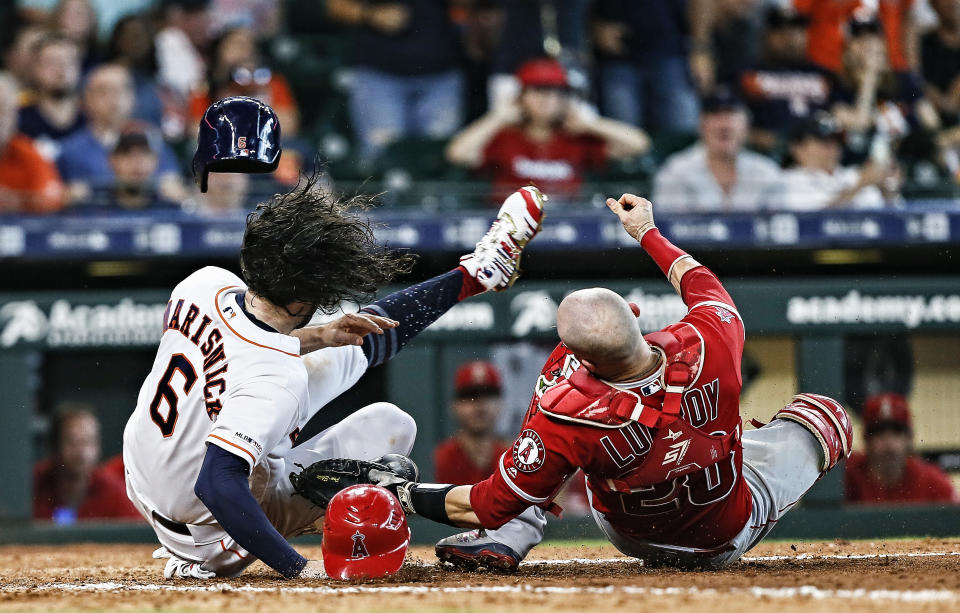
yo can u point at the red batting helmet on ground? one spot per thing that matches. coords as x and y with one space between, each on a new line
365 534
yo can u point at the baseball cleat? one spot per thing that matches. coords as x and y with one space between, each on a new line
177 568
495 263
473 550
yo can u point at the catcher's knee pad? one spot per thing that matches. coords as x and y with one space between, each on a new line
827 420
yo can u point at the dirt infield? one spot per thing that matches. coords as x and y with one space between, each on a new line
921 575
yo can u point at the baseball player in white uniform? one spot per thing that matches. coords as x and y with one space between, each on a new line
211 443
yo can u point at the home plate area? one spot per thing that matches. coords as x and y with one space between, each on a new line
903 575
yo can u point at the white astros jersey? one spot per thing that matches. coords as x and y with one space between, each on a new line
220 379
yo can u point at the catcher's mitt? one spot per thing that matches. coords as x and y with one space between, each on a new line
321 481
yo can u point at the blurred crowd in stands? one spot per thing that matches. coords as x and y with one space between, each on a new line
704 105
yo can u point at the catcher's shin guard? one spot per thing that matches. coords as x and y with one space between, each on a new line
827 420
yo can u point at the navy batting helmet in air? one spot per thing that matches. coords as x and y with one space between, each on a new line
237 134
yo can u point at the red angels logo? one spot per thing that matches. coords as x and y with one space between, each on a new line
359 547
528 452
241 142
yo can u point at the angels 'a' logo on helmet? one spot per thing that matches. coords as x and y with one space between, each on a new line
359 548
528 452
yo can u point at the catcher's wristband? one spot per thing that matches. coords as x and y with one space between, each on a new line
426 499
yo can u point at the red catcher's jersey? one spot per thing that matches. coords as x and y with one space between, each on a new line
702 509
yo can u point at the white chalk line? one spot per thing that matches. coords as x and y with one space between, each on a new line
800 557
805 591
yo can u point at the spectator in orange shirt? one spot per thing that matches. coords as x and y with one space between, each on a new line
471 455
828 21
28 182
69 486
887 471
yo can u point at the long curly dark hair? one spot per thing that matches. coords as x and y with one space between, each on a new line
307 246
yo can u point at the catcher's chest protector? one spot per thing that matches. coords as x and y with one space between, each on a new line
675 448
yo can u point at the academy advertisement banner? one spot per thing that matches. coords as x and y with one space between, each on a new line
115 319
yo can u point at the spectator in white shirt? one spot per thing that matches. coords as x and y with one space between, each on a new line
717 174
819 182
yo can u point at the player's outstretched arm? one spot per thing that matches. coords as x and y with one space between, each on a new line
494 265
698 287
636 215
223 488
440 502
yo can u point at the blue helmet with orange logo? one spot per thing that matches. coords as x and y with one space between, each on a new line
237 134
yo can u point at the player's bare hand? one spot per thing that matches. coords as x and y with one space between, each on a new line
580 118
346 330
507 113
635 213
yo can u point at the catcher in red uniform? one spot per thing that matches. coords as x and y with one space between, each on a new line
654 422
